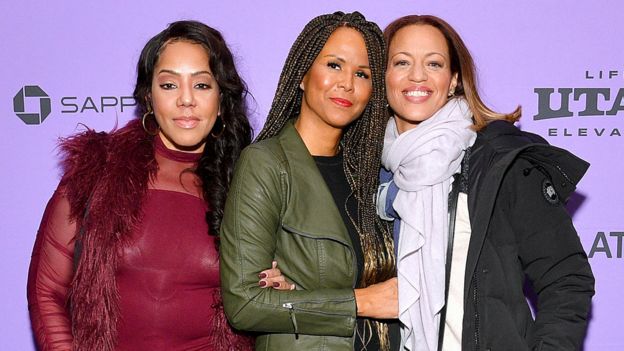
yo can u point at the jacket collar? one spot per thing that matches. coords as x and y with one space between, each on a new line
310 208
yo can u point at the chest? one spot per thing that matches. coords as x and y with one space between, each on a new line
171 242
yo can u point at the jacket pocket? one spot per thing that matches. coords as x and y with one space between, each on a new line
322 312
314 261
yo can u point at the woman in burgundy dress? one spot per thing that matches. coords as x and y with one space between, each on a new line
123 259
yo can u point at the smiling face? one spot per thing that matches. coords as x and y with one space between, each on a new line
418 77
184 96
338 85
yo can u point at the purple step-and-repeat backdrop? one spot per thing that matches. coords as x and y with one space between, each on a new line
73 62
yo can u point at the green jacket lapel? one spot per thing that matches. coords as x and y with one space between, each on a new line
310 207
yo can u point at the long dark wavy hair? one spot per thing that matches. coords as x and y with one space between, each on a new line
216 165
362 140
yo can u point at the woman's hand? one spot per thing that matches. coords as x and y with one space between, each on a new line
379 301
273 278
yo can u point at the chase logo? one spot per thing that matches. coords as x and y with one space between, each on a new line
28 92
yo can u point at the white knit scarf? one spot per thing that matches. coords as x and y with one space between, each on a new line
423 161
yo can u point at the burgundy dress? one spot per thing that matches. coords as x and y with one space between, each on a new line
167 277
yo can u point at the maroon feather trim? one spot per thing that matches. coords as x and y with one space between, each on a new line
223 337
114 170
109 173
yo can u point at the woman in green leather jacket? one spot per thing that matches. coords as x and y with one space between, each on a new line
303 195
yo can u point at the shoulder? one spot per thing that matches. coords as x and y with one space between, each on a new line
267 150
503 136
89 150
261 158
84 158
528 160
501 141
83 152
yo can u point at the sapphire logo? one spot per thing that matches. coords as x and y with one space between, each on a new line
33 105
28 92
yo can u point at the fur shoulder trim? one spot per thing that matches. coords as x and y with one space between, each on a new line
83 157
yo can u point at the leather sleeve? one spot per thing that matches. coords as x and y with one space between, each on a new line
50 274
248 243
552 257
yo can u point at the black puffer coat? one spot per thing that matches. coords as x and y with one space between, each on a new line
517 185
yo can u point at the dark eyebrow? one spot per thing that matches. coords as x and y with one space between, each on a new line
343 61
177 73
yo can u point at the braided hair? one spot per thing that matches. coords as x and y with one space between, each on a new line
362 140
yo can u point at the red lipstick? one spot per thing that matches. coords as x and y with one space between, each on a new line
342 102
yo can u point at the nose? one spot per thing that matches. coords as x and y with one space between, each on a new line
346 81
186 96
418 73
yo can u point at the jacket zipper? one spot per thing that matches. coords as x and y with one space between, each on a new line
293 318
475 300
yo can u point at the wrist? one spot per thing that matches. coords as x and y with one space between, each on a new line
360 302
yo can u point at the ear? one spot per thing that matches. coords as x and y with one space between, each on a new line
304 81
453 82
220 100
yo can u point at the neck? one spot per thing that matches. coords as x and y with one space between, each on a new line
171 145
319 138
403 125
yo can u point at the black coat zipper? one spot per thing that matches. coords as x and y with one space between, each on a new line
475 299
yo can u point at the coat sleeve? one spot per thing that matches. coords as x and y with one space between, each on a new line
248 243
552 258
50 274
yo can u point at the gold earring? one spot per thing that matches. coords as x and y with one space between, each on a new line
143 122
451 93
222 127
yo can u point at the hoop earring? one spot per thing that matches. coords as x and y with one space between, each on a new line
144 118
222 127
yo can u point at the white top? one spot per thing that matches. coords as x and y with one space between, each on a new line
455 305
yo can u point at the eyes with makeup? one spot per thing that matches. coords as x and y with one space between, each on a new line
435 62
360 73
201 82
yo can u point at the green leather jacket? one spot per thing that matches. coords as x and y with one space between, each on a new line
279 208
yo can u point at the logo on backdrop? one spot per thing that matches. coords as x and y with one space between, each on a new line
31 92
31 113
589 103
607 245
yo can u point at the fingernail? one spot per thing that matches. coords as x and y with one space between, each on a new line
262 283
262 275
276 285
